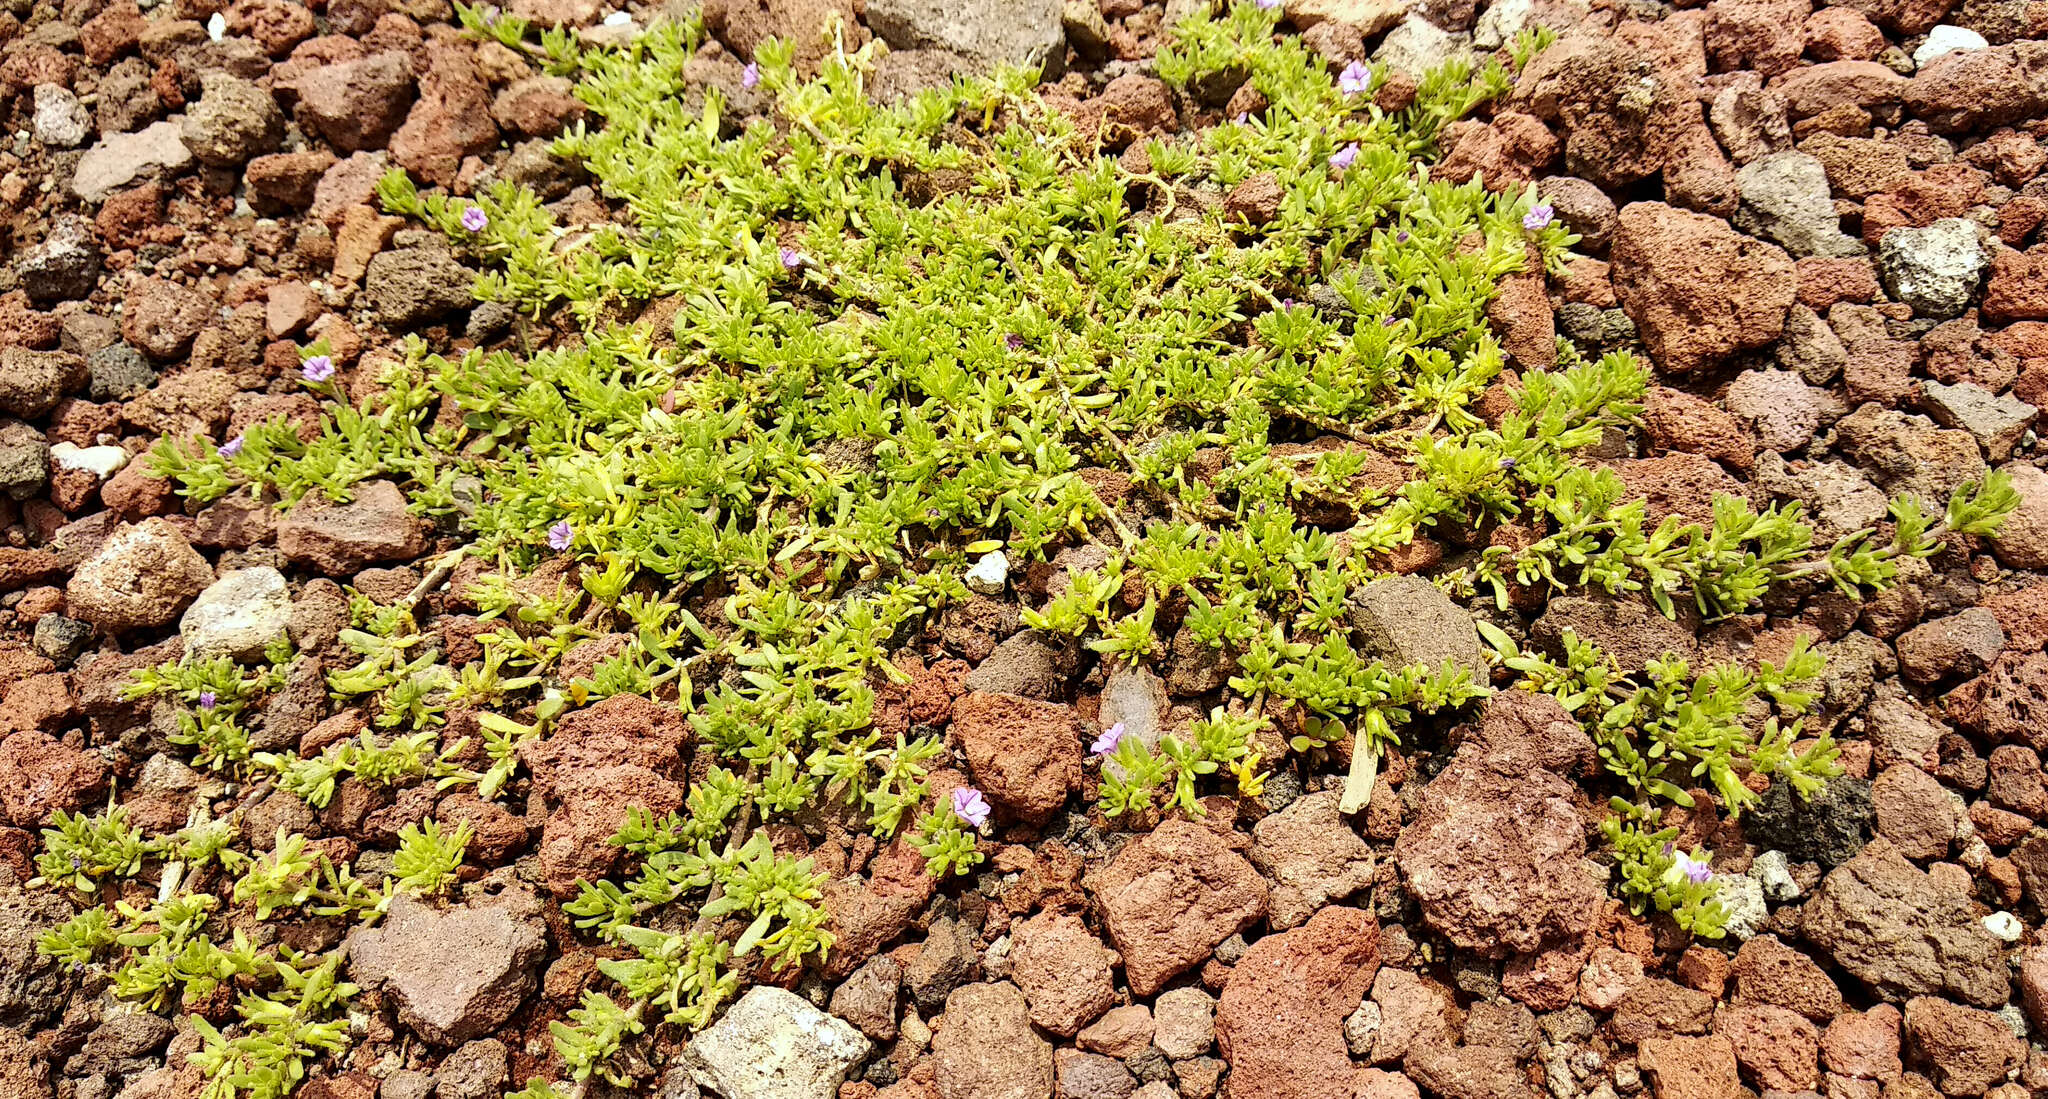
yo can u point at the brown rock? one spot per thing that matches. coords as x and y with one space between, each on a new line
457 973
1904 932
1777 1049
865 915
1690 1068
1470 1072
538 106
341 539
1681 484
1914 812
1257 199
1063 970
1863 85
40 775
1981 89
1769 972
1677 420
1657 1007
1170 896
1505 153
356 104
2008 703
1966 1050
141 577
986 1048
1751 34
1024 754
1863 1044
2018 288
1697 290
450 120
1281 1020
1312 855
622 753
1842 34
1414 1012
161 317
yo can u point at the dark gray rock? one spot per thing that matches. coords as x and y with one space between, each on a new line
1828 830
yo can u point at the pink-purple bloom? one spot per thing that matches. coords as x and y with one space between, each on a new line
1691 869
970 806
1014 342
750 77
474 219
206 700
319 368
560 535
1344 157
231 448
1107 742
791 258
1355 79
1538 217
1267 5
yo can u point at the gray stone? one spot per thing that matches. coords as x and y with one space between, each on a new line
987 33
1829 829
1773 871
1027 663
33 986
1811 348
238 615
24 460
1628 631
1962 644
410 286
121 159
407 1084
1998 421
773 1044
990 575
64 267
478 1070
457 974
1742 898
61 639
233 122
942 966
60 119
1416 45
116 372
1361 1027
1405 620
1785 198
1135 697
1838 499
1933 269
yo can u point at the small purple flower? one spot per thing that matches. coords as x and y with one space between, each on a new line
560 535
1107 742
206 700
1401 236
231 448
750 77
1267 5
791 258
970 806
317 369
1389 322
1508 463
1344 157
1242 117
1691 869
474 219
1538 217
1014 342
1355 79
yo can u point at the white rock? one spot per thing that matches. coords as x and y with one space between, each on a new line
60 119
100 461
773 1044
1361 1027
1417 45
2005 926
1773 871
1947 39
1743 898
989 575
217 27
237 615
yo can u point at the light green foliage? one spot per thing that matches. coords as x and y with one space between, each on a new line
1666 729
986 327
213 696
426 860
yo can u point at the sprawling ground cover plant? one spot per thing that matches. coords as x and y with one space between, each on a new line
831 362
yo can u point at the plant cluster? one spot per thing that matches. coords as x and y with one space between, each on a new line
833 358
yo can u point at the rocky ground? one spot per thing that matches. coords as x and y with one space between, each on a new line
1824 224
